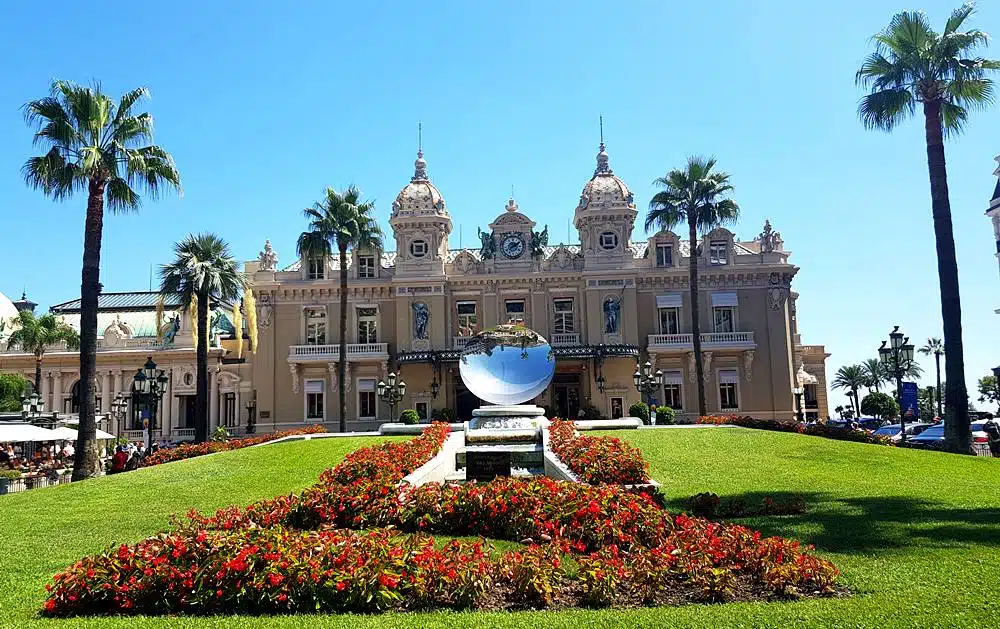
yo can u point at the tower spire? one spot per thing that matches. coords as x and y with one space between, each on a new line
420 166
603 168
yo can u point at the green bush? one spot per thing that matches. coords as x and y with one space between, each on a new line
879 405
640 410
220 434
13 386
10 474
443 415
665 416
409 416
589 413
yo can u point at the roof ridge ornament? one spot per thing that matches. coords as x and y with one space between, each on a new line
603 167
420 166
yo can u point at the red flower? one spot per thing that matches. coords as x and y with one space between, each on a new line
275 579
388 580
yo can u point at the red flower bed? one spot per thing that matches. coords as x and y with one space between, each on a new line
781 425
292 554
191 450
597 459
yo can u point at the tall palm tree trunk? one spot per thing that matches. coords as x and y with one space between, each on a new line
87 462
342 363
956 425
201 392
38 374
937 369
699 367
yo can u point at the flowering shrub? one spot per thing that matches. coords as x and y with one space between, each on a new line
597 459
815 430
294 554
191 450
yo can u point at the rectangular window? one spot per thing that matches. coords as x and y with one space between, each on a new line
728 390
468 322
664 255
366 398
672 395
515 311
314 399
669 321
718 251
367 318
315 268
564 323
725 319
617 407
366 266
315 326
421 408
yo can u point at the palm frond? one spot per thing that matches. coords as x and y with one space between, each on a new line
886 108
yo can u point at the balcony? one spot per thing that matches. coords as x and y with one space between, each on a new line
709 341
138 343
564 340
459 342
329 353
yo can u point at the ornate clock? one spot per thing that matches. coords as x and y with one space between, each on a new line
512 245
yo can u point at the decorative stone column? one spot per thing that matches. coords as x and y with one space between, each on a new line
57 403
213 399
106 394
44 384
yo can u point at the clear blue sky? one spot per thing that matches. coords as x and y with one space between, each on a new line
264 104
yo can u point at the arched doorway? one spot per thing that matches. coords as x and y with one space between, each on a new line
74 398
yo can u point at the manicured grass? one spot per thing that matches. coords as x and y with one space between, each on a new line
917 534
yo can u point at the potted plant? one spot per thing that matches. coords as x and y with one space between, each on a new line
10 482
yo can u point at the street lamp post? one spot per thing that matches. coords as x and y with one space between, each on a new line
31 406
148 387
897 358
646 381
391 393
119 408
251 416
798 391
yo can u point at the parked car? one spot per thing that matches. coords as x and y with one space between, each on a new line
933 437
892 430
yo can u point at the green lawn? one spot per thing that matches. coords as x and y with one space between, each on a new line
917 534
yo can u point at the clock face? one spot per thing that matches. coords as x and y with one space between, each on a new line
512 246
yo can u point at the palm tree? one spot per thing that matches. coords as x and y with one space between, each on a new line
35 334
935 347
914 64
852 378
875 371
344 221
695 195
203 272
100 146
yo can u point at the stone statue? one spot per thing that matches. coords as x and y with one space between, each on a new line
612 311
173 327
769 239
538 241
268 258
489 247
420 318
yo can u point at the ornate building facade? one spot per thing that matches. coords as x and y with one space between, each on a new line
605 305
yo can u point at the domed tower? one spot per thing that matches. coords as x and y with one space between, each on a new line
420 224
604 218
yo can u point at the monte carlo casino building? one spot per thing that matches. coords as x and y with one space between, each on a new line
603 304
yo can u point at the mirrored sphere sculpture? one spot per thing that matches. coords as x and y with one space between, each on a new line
508 364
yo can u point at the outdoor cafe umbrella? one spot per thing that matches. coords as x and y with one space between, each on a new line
17 432
69 434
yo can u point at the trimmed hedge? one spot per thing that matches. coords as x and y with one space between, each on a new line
781 425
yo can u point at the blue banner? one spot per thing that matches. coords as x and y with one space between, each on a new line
910 410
